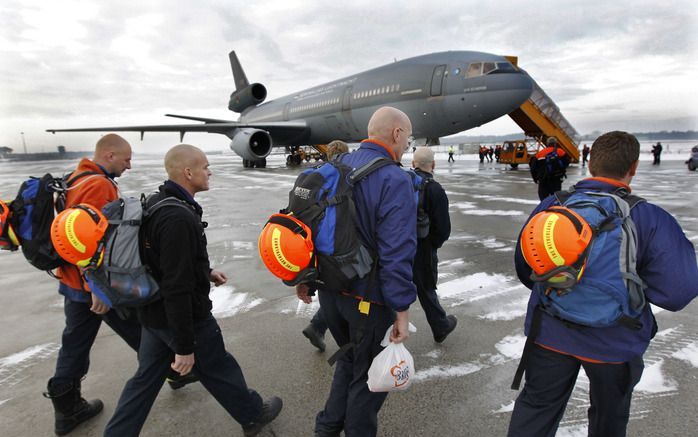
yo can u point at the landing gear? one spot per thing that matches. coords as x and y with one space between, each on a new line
252 163
293 160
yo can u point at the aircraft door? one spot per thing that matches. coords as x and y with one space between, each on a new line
346 111
437 80
287 107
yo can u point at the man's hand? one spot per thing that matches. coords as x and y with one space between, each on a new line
183 364
302 293
218 278
98 307
400 330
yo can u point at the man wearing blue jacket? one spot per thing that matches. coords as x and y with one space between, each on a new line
611 357
387 222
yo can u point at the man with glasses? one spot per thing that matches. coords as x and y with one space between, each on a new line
386 216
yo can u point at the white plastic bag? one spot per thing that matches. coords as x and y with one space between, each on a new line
393 368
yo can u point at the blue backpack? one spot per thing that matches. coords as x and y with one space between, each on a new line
606 290
419 184
33 211
602 287
322 198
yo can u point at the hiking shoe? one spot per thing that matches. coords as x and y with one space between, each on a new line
452 325
270 409
176 381
316 338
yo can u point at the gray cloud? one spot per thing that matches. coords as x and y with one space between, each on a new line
579 51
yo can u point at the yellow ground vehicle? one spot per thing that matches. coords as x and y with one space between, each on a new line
518 152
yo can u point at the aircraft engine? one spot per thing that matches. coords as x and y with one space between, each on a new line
251 95
251 144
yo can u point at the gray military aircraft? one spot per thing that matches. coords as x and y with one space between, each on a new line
442 93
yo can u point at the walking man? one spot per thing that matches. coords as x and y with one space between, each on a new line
386 215
179 331
611 356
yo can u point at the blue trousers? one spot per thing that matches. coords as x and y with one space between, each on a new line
217 369
81 328
550 378
350 405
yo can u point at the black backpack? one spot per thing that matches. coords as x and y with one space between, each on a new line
33 211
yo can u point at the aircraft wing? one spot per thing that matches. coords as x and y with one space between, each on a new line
210 125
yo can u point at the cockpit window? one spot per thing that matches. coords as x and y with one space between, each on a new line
505 67
474 69
488 67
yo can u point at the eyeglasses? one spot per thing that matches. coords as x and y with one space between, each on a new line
410 138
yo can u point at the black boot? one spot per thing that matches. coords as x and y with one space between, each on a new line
270 409
69 406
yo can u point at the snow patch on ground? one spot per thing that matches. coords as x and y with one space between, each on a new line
688 353
227 303
654 381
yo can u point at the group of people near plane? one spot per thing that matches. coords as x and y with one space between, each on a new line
178 340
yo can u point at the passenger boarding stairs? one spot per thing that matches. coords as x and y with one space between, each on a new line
540 118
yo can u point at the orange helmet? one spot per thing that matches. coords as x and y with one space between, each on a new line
77 233
554 244
8 238
286 247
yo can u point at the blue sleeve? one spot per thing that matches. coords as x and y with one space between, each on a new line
396 238
666 259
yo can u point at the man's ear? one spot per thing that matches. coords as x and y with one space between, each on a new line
433 165
633 168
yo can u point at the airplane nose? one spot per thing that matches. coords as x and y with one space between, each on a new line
507 91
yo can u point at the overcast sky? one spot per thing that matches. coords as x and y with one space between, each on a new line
629 65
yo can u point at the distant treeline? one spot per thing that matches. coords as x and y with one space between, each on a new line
642 136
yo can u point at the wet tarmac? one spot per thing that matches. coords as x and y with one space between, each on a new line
462 386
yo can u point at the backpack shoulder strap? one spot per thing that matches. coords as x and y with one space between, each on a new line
563 195
167 201
70 179
360 173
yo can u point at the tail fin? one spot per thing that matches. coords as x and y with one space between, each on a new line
238 73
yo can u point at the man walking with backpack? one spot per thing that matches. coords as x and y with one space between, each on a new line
179 331
434 202
549 168
92 182
359 318
611 355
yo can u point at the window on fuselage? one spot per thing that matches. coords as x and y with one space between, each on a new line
474 69
488 67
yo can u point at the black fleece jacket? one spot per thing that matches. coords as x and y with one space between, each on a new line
175 250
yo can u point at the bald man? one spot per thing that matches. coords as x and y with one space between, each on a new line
387 220
179 331
424 270
93 182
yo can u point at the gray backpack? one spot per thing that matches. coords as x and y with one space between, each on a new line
122 279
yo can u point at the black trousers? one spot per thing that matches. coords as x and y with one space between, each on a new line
548 187
81 328
217 369
550 378
350 405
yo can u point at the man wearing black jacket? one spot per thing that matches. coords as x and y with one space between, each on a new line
424 270
179 331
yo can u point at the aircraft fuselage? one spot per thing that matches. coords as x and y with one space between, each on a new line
440 92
